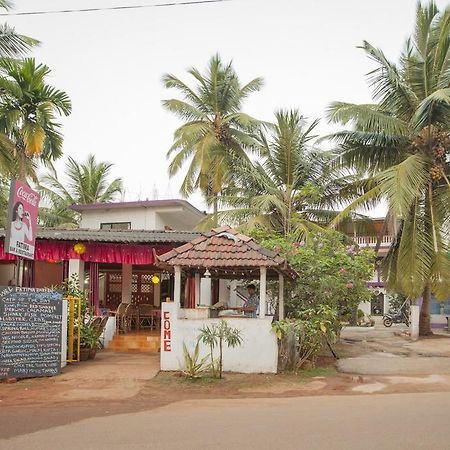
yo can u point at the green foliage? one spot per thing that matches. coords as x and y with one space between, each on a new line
288 187
396 301
400 145
302 339
85 183
194 366
89 336
29 112
215 336
332 272
216 134
12 44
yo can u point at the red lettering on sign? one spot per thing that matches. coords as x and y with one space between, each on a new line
167 334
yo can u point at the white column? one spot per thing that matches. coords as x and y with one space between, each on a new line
197 289
127 281
280 296
414 321
177 287
262 293
233 295
76 267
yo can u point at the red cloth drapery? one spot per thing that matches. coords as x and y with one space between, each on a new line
189 292
95 252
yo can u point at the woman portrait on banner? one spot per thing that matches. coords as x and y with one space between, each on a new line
20 230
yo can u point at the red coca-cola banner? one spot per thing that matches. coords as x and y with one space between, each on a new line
22 220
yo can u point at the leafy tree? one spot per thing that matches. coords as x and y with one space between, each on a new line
216 134
290 189
332 272
85 183
29 109
401 145
13 44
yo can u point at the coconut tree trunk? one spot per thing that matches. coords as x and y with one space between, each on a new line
215 209
424 319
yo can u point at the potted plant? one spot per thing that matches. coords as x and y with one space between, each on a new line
88 342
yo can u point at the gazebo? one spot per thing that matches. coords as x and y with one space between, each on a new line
222 256
226 254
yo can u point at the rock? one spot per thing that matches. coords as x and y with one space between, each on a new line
357 379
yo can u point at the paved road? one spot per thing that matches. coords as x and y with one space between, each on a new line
397 421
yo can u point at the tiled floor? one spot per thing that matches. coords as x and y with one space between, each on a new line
136 342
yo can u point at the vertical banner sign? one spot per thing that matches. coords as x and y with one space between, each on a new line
22 220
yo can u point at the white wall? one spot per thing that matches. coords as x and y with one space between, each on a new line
365 308
257 354
109 332
140 218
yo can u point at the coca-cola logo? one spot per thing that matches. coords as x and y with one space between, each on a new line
29 197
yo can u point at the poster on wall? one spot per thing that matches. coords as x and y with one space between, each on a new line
22 220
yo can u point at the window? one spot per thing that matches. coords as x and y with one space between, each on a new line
115 226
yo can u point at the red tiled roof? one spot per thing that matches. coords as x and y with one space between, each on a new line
224 248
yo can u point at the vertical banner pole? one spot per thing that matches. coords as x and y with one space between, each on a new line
70 329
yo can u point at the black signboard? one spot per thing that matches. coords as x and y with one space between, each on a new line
30 332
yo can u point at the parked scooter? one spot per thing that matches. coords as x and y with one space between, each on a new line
400 316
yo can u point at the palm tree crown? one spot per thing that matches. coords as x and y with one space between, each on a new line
287 188
88 182
12 44
216 133
29 109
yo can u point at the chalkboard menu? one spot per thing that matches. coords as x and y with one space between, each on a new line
30 332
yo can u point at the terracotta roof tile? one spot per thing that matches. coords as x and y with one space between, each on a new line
224 247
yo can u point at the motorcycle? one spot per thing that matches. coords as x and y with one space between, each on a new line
400 316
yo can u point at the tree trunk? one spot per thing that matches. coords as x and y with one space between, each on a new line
424 320
215 210
220 357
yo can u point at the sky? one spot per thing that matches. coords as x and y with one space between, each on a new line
111 64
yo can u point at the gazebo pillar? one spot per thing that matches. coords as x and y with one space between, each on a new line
197 288
177 286
262 293
281 296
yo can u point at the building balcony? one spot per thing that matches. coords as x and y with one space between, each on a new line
371 241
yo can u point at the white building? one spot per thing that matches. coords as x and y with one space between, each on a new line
140 215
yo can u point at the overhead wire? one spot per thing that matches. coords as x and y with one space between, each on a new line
112 8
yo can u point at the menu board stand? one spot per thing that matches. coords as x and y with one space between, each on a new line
30 332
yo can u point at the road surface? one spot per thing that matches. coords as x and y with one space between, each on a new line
396 421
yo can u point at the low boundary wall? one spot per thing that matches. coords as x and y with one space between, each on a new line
257 354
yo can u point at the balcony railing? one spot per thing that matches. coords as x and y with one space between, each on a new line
371 241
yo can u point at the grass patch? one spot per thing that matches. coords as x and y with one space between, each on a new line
317 372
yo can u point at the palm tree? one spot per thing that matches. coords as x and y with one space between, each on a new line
400 144
290 189
29 109
85 183
216 134
13 45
